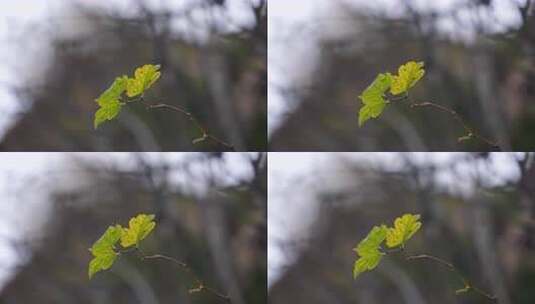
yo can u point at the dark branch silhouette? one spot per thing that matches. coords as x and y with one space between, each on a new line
468 286
201 286
205 135
470 132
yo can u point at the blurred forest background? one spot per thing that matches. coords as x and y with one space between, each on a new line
478 211
213 65
479 57
210 213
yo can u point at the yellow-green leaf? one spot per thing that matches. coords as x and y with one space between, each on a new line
107 111
408 76
404 228
103 250
109 101
368 250
113 93
101 262
144 78
373 98
138 228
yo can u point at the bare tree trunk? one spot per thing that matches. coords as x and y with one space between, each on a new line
407 288
216 230
140 131
486 249
488 96
406 131
137 283
217 73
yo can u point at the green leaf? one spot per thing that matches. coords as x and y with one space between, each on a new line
138 228
109 101
107 240
408 76
368 250
103 250
144 78
404 228
373 98
107 112
113 93
101 262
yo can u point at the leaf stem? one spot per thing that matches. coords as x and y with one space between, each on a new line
126 250
204 133
201 286
390 251
467 285
430 257
471 133
399 98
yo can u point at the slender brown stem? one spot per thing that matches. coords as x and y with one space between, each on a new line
390 251
124 251
471 133
204 133
438 260
484 294
161 256
398 98
185 267
467 285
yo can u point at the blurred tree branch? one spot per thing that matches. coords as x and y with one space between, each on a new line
468 286
201 286
204 133
471 133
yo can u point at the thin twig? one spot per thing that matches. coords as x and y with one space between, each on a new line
390 251
161 256
185 267
204 133
438 260
471 133
467 285
398 98
124 251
